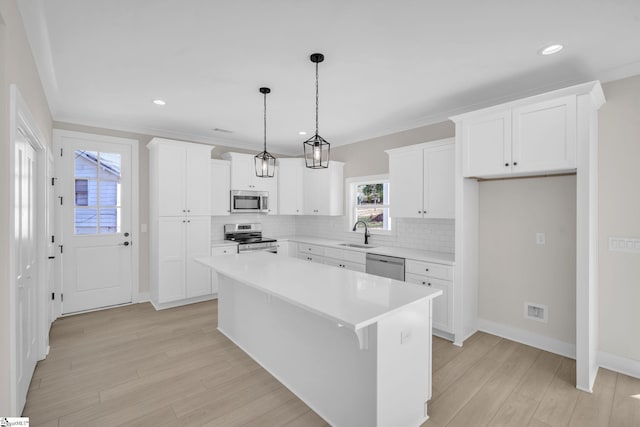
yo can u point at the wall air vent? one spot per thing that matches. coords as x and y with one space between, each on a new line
537 312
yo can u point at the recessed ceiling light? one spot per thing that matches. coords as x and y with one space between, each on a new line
550 49
159 102
302 132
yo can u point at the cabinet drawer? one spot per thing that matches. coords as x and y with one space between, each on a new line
311 257
345 264
430 269
442 316
311 249
224 250
355 256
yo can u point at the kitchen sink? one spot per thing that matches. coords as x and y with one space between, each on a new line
357 245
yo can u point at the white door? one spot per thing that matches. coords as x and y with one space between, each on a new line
25 266
405 174
439 182
97 255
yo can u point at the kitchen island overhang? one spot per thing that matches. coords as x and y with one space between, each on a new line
355 347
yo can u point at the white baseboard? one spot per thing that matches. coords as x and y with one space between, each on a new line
619 364
551 345
142 297
181 302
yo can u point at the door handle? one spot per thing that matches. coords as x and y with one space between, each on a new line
125 244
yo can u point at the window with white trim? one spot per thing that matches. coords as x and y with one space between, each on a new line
369 202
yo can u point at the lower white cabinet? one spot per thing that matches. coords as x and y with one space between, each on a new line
438 276
344 258
215 251
180 240
287 248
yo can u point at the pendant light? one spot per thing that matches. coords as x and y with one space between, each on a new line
265 162
316 148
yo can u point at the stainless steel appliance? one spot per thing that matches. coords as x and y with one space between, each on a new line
385 266
249 238
249 201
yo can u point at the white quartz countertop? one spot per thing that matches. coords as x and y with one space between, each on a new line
407 253
350 298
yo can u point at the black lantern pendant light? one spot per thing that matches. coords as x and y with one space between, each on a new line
265 162
316 149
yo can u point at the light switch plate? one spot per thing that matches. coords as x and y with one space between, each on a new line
541 238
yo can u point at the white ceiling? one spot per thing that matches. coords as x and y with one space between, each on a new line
390 65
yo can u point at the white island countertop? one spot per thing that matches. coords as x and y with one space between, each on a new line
352 299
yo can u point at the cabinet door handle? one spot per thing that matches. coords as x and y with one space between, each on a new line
428 284
515 163
426 269
506 164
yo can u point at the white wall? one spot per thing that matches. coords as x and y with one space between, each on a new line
513 269
16 67
619 216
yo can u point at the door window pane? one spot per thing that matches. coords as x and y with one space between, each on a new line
86 220
98 186
86 164
110 220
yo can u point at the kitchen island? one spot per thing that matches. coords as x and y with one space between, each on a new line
355 347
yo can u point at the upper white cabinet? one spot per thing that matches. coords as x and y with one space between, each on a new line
291 186
523 140
220 187
422 180
243 173
183 175
324 190
243 177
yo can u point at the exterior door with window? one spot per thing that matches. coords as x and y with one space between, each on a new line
96 197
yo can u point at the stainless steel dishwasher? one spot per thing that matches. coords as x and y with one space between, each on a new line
385 266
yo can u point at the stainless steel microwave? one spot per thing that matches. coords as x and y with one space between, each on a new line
249 201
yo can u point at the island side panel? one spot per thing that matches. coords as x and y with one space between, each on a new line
404 367
313 357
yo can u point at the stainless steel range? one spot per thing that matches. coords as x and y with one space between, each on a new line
249 238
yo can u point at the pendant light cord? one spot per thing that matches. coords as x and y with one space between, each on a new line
265 122
317 98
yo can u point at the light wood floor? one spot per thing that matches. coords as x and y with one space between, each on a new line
135 366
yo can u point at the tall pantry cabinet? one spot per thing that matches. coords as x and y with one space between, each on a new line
180 222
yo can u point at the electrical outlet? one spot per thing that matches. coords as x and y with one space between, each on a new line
541 238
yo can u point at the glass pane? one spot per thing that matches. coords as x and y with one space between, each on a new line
373 217
82 192
86 221
86 164
370 194
109 220
109 193
110 165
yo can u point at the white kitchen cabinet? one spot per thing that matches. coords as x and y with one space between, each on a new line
180 222
183 175
216 251
438 276
291 186
243 177
526 140
344 258
324 190
220 187
313 253
422 180
180 241
287 248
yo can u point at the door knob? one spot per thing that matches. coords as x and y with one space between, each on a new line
125 244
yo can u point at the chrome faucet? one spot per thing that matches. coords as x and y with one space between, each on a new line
366 231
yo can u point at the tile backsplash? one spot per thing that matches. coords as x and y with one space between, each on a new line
425 234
